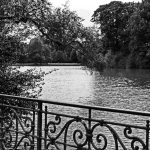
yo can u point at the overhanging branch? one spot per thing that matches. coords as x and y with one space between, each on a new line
44 34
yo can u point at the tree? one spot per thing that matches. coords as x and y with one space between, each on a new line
139 44
59 27
12 80
113 19
35 51
92 45
73 56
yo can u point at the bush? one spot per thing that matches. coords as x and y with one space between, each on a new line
12 80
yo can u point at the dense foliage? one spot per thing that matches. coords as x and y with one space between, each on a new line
121 41
125 33
58 34
12 80
60 37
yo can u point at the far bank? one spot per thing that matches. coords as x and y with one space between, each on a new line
47 64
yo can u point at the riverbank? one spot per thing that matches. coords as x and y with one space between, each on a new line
47 64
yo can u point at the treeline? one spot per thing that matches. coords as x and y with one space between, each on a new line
119 39
38 52
125 31
58 36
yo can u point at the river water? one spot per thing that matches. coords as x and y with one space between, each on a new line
115 88
124 89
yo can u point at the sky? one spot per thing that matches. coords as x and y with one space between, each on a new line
84 8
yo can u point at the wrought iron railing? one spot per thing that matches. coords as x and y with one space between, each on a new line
48 125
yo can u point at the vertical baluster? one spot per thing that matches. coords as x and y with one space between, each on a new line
33 126
147 135
39 126
89 132
46 130
1 123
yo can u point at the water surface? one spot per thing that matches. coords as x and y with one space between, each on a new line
126 89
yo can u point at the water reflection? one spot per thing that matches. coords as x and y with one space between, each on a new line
127 89
132 77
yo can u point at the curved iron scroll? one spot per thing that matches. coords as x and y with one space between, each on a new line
101 142
17 131
77 133
127 133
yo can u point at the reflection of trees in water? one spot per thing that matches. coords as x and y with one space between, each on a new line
134 77
124 89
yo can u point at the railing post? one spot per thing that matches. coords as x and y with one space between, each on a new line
147 134
39 126
33 133
46 130
1 124
90 134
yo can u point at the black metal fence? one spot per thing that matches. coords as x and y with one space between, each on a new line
48 125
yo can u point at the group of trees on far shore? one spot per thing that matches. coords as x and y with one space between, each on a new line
38 52
119 39
125 31
57 35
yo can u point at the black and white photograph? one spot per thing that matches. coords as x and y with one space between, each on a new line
74 74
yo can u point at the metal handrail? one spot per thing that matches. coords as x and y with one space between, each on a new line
115 110
40 124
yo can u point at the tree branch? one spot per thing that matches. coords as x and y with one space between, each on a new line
43 33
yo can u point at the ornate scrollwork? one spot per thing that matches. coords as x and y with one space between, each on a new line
27 124
51 128
82 137
127 133
78 134
102 139
25 143
99 138
52 125
17 131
